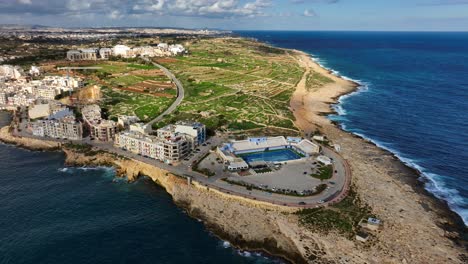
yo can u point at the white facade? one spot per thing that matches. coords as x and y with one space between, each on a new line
35 71
60 125
11 72
167 150
121 50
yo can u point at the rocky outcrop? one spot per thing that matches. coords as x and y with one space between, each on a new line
244 223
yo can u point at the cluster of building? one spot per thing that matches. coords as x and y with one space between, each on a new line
161 50
229 152
98 128
171 143
51 119
19 89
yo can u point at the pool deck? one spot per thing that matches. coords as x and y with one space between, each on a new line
290 176
280 155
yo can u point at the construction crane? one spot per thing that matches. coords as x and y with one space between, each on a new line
75 68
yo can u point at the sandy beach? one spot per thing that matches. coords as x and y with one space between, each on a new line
418 228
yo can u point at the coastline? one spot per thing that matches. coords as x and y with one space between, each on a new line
349 89
257 231
422 178
311 109
381 179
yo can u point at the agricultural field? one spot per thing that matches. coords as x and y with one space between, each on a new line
146 107
236 85
131 88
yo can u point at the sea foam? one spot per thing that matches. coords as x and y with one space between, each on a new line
432 182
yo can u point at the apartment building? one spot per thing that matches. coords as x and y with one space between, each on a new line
99 128
169 149
61 125
195 132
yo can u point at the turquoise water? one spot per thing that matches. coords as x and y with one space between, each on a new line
271 156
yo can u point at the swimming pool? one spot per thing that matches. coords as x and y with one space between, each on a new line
271 156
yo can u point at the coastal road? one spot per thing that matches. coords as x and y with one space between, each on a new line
336 193
180 92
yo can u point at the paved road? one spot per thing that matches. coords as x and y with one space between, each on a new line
180 93
335 194
330 196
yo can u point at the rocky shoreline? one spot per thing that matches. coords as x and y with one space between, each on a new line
379 176
223 214
418 228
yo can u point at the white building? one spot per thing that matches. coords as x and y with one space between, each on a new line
105 53
169 149
82 54
45 92
163 46
176 49
195 131
35 71
11 72
122 50
61 125
3 98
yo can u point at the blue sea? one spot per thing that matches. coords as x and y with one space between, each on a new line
53 214
413 99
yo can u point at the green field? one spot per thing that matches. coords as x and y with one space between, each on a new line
146 107
114 75
236 85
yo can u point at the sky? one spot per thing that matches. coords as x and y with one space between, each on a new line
376 15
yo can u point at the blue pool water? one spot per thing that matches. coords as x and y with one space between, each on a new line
412 101
271 156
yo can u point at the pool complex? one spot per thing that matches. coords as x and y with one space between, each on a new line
271 156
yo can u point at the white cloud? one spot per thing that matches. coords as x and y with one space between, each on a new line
123 8
25 2
309 13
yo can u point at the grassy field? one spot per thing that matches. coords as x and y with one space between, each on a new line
315 80
236 85
115 76
146 107
343 217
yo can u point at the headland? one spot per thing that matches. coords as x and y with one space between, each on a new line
415 227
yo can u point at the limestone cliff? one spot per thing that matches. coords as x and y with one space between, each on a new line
33 144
